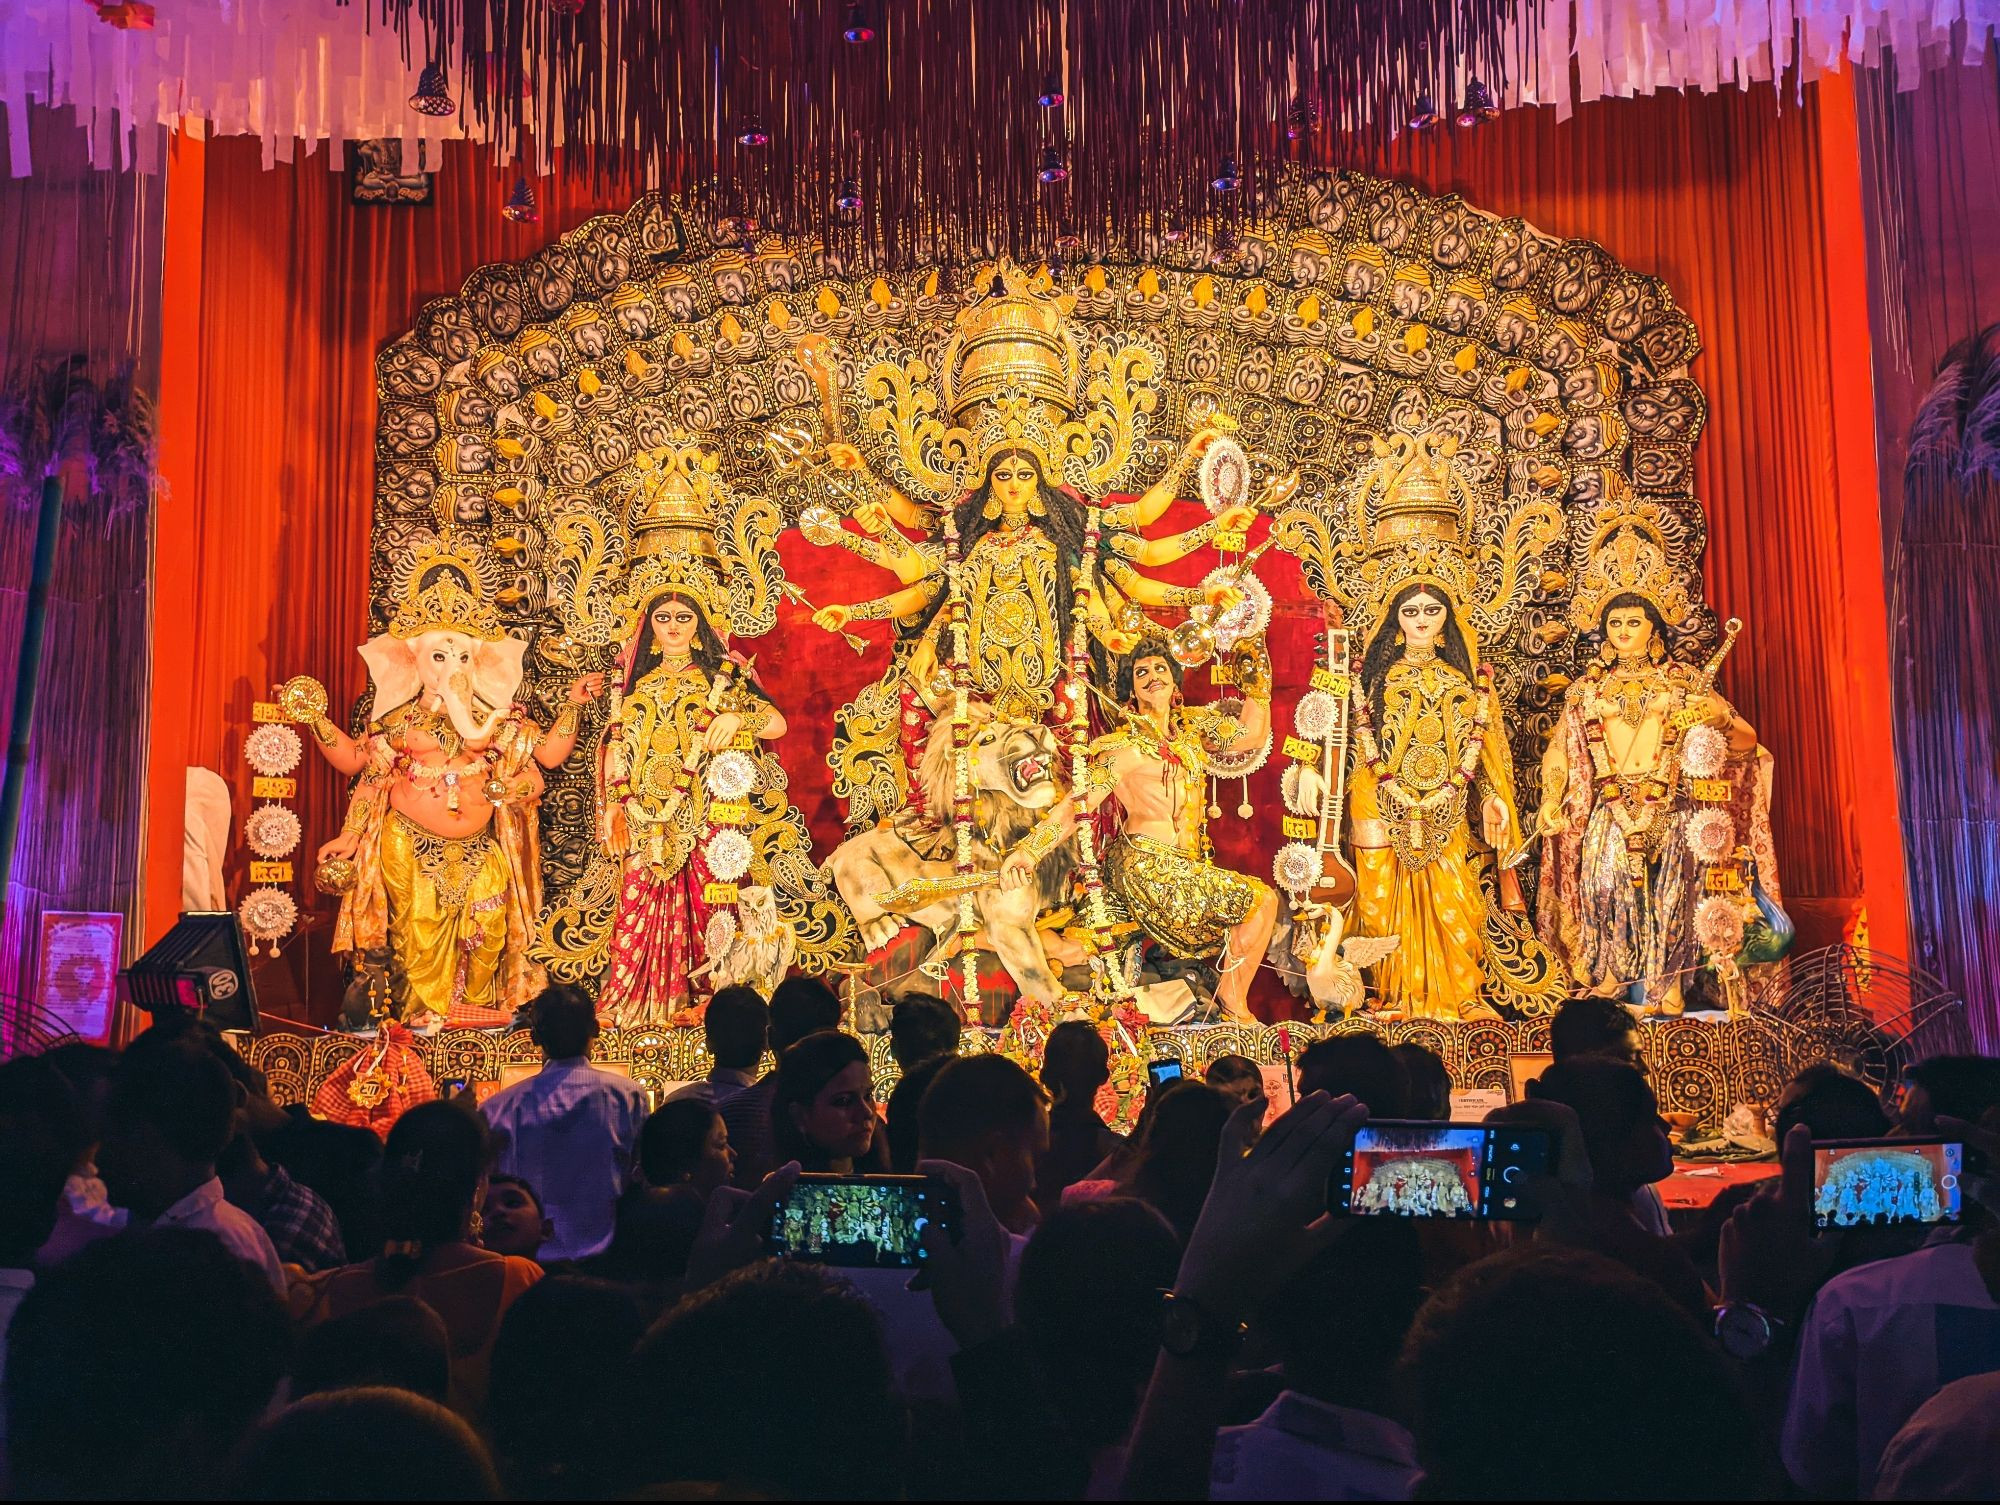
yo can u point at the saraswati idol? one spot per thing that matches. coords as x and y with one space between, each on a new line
1435 824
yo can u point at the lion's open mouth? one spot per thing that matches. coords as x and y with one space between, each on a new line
1029 772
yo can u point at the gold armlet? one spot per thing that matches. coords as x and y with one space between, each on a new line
875 551
325 732
1123 515
357 814
567 721
756 717
1185 595
1194 538
1041 841
1253 669
870 611
1127 546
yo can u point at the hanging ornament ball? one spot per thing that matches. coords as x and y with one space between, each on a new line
753 133
1214 811
567 8
1245 810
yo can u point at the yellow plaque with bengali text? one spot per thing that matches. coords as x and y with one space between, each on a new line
1724 880
268 710
728 813
265 787
1715 791
718 893
1304 751
270 872
1301 828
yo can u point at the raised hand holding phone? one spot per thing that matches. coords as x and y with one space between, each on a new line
965 1270
1266 1209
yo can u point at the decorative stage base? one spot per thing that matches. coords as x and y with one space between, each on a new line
1701 1066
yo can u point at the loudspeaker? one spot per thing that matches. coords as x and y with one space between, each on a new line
197 967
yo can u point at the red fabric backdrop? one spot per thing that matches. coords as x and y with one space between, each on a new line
1721 196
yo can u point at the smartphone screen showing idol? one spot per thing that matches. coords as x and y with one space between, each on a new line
862 1222
1859 1183
1433 1170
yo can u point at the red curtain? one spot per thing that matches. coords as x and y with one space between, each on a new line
1721 196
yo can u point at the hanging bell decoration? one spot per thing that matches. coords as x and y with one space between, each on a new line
1425 115
1053 169
1228 178
856 25
1479 105
432 96
847 198
521 207
753 134
1051 95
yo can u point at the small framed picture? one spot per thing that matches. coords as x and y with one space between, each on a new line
76 973
378 175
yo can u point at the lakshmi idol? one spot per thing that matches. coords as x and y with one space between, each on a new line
692 810
440 832
1432 790
681 760
1623 837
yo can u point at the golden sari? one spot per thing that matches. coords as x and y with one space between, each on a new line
1416 851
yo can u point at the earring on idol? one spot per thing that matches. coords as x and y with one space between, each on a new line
1608 653
1656 650
992 508
477 1227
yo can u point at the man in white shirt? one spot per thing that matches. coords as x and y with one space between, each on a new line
172 1109
736 1024
571 1130
1878 1342
1327 1436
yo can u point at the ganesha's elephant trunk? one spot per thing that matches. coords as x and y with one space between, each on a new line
457 697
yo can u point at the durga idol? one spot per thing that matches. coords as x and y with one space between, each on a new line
1010 495
441 824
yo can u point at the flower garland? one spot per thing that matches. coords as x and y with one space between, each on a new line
961 762
1618 791
1107 981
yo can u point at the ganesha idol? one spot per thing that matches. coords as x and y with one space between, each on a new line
440 830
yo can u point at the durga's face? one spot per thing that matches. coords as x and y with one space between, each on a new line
1421 619
1628 630
1016 482
673 625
